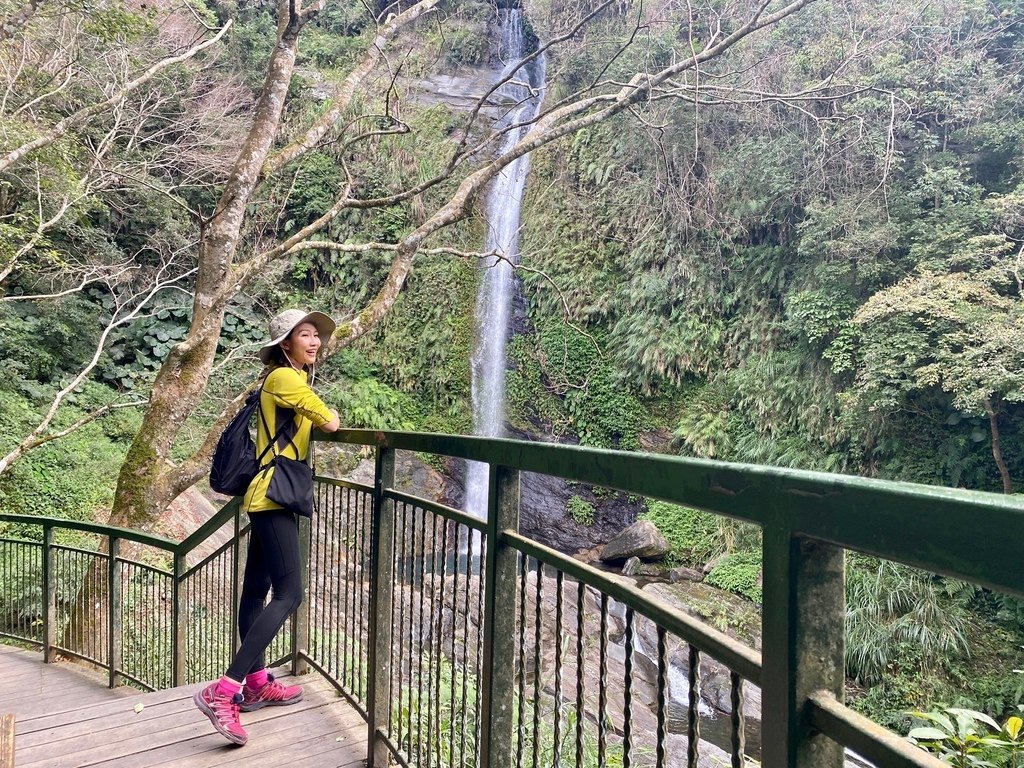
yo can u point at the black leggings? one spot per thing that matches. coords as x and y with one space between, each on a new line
272 561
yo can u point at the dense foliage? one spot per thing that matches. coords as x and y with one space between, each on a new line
835 288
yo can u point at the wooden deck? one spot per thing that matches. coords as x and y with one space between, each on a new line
67 718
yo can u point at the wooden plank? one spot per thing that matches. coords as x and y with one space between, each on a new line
155 705
295 735
122 737
174 733
71 719
287 731
7 740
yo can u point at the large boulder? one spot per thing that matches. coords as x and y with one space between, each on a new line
642 539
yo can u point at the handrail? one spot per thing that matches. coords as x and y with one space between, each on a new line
129 534
204 531
844 510
734 655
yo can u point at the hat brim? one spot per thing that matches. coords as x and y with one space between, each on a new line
324 324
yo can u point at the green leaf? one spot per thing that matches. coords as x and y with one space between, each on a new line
928 733
973 715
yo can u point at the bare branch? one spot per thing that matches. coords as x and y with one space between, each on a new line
346 91
91 276
37 436
392 247
83 114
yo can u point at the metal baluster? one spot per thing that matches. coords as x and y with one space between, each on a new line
419 637
456 572
581 592
693 714
318 576
537 663
396 622
426 649
49 596
627 693
477 698
399 630
738 724
602 691
113 611
662 703
439 634
338 584
465 647
521 725
346 657
360 593
557 761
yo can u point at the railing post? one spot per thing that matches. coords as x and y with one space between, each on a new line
497 684
802 646
382 584
114 611
49 597
178 621
300 619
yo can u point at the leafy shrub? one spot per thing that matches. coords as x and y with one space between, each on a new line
965 738
465 46
891 604
603 411
370 404
739 572
580 510
41 342
71 477
528 402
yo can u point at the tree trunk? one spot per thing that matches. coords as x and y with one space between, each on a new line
145 485
997 449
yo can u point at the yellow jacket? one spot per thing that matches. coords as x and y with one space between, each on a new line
286 393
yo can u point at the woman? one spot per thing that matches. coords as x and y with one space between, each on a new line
289 408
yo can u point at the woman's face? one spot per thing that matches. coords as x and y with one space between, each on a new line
302 344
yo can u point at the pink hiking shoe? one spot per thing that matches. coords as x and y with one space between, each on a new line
223 712
273 694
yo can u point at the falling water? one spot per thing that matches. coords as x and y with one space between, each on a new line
503 203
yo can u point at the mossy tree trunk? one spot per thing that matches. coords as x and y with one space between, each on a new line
149 480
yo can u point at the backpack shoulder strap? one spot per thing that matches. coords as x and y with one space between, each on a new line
266 428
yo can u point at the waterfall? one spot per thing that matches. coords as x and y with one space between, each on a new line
524 93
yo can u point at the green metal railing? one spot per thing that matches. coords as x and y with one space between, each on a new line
464 643
172 620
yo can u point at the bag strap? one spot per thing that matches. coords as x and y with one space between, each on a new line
266 428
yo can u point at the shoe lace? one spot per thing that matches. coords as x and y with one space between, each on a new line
226 707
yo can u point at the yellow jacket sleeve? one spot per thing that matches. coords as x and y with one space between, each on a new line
289 389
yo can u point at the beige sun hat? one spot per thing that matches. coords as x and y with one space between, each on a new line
284 323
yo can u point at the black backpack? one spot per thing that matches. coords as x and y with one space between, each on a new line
235 462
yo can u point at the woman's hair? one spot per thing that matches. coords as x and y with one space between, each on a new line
277 358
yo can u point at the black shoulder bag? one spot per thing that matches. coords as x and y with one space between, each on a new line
291 485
